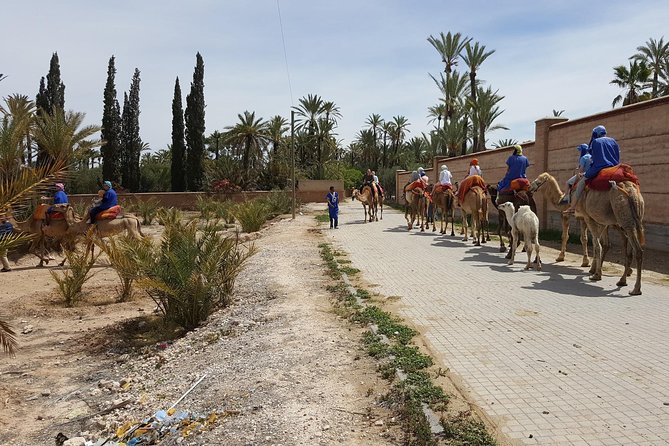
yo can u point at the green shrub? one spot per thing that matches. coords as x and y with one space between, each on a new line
278 202
251 214
120 252
147 209
192 271
70 281
224 211
206 206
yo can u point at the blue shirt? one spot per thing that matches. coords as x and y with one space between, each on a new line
585 162
6 228
605 153
60 198
333 200
109 199
517 166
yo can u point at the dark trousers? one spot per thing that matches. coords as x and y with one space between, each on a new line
94 212
334 221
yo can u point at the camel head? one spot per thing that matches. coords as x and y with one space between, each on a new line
540 181
354 194
508 209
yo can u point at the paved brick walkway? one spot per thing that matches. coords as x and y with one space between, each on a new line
547 354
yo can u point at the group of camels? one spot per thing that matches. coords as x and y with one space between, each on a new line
65 232
621 208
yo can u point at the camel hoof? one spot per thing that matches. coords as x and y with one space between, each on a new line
484 241
527 267
629 272
452 234
538 268
502 249
635 292
465 240
595 277
585 264
510 262
621 283
508 255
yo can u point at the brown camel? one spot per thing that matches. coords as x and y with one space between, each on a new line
520 198
475 203
546 184
416 207
368 198
105 228
621 207
38 246
444 201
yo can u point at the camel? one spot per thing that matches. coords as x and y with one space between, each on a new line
416 207
523 222
551 190
475 203
369 200
520 198
41 231
621 207
444 201
104 228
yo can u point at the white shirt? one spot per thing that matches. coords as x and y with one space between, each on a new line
376 179
445 177
474 170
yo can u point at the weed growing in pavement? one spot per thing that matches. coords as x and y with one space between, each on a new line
322 218
408 396
349 270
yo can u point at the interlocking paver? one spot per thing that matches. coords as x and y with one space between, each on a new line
525 342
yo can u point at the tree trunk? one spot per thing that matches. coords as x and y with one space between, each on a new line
472 86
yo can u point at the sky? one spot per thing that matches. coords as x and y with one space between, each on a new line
368 56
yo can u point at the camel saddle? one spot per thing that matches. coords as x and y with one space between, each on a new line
57 213
468 183
110 214
418 184
442 187
619 173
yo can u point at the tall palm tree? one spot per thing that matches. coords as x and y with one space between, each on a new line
22 110
449 47
399 130
437 112
365 144
214 143
276 128
664 76
387 128
454 134
474 56
487 112
251 136
62 135
654 54
507 142
374 121
633 79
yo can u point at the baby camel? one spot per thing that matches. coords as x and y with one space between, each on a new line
523 222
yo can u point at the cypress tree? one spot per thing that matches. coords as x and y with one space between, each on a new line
178 144
111 128
131 142
51 97
194 118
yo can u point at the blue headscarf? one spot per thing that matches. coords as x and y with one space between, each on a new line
598 132
108 184
584 149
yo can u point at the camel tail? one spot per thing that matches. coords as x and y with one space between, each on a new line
635 208
139 227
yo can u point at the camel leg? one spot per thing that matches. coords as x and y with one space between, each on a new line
597 231
528 265
512 244
381 209
565 238
476 229
512 252
537 259
638 254
628 261
584 244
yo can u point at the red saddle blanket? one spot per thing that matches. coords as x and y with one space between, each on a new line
468 183
442 187
109 214
41 211
418 184
621 172
520 184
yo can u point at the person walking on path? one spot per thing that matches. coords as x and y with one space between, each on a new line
333 207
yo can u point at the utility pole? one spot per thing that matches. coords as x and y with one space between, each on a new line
292 156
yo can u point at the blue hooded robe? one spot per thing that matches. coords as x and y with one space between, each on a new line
605 152
517 166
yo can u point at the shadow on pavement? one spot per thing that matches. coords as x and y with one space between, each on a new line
572 286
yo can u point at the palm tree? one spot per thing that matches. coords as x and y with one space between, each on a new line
654 54
375 121
633 79
454 134
276 128
557 113
22 111
449 47
365 144
399 129
474 57
387 127
508 142
214 143
487 111
251 136
61 134
664 75
437 112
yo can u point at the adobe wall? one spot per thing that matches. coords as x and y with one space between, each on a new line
309 191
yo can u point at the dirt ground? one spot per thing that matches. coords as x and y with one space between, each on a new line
279 362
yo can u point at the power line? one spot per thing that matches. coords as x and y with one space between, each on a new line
285 54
